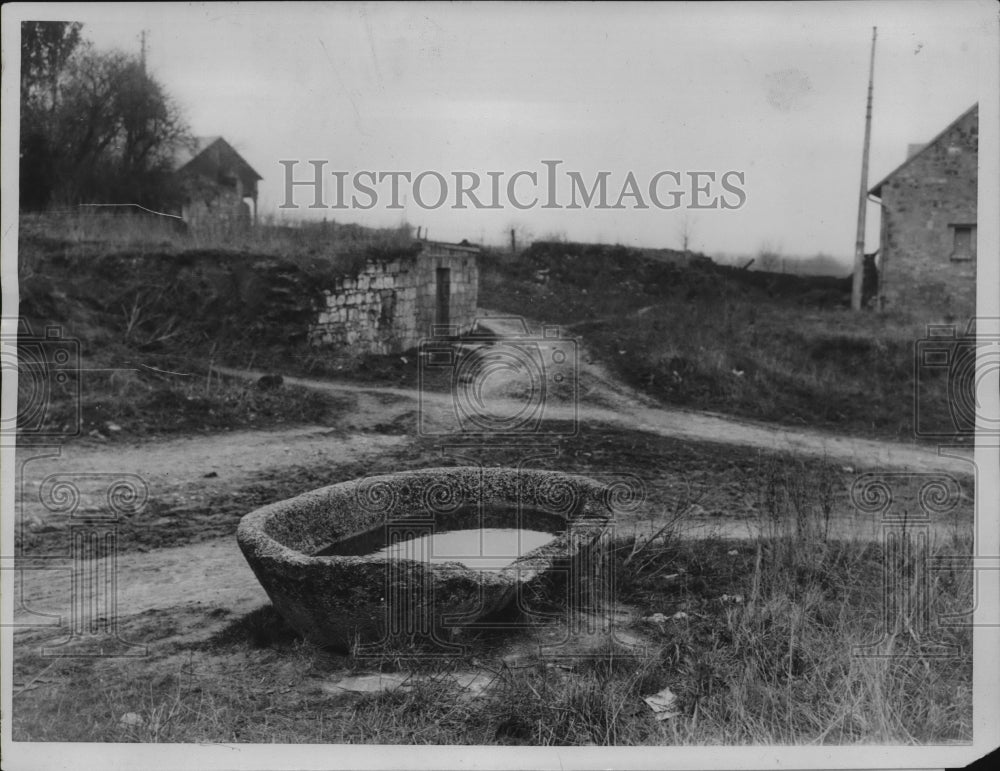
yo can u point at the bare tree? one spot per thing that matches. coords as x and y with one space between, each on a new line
769 257
95 126
125 132
46 48
687 234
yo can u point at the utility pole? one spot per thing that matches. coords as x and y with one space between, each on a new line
142 51
859 242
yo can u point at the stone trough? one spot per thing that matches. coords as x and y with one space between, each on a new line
317 555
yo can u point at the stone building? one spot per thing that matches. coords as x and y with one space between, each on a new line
388 307
218 185
927 249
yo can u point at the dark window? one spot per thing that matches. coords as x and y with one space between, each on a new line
963 242
443 296
388 308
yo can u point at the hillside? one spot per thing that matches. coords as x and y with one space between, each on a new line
151 310
770 346
154 313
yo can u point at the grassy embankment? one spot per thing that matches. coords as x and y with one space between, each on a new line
149 301
771 347
150 309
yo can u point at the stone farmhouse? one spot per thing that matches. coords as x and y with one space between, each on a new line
219 186
927 249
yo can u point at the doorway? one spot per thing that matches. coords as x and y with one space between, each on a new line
443 296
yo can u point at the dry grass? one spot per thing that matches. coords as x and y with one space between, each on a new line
142 297
787 353
84 231
761 645
765 650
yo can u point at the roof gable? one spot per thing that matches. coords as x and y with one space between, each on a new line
877 189
190 154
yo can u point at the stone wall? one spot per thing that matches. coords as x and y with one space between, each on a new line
389 307
922 203
225 209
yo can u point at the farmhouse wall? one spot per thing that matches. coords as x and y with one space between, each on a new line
216 182
923 202
223 207
388 307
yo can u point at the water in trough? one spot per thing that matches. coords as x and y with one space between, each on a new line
487 539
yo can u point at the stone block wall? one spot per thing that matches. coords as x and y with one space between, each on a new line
388 307
922 203
421 286
216 207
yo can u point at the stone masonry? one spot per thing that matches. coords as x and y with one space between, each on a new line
927 252
388 307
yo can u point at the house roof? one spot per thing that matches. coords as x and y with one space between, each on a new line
188 153
445 246
877 189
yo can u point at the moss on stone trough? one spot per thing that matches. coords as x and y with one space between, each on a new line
345 600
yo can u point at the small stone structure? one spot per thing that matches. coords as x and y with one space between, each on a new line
388 307
217 183
344 600
927 249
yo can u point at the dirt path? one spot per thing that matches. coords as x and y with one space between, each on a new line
605 399
208 581
600 400
195 579
211 576
236 455
178 467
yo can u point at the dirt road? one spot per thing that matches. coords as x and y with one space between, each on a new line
177 466
509 387
213 575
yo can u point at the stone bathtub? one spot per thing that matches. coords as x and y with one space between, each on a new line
317 555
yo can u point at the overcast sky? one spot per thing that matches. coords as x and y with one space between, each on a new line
774 91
